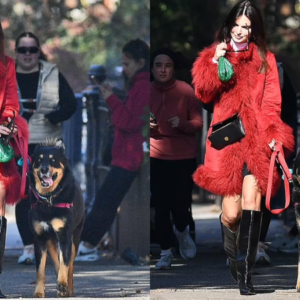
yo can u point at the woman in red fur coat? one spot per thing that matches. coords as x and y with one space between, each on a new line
10 179
239 172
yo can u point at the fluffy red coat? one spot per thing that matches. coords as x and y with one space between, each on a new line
9 103
256 97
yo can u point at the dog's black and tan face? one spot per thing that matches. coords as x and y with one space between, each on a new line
48 165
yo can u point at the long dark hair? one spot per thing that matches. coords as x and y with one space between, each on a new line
257 36
33 36
137 49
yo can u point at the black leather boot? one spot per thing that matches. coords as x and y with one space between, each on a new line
3 225
247 243
229 244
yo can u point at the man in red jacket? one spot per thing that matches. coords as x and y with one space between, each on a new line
176 118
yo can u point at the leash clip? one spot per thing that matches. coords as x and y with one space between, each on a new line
272 144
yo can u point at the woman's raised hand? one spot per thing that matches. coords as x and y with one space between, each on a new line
220 51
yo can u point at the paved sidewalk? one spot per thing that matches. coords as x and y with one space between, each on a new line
207 277
109 278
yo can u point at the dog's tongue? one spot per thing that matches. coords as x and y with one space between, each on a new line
48 180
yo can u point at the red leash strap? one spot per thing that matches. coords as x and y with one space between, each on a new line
278 156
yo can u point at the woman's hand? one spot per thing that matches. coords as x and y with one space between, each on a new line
106 91
15 130
220 51
4 130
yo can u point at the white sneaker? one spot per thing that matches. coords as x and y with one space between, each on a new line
187 247
279 242
28 257
291 247
86 254
164 263
262 258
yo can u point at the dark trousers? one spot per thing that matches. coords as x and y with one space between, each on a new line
22 210
104 209
171 186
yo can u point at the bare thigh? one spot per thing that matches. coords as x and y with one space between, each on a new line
251 195
231 211
2 199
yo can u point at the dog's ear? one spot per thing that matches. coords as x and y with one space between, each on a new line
60 144
33 155
36 149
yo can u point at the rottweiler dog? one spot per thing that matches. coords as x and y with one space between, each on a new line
56 215
296 201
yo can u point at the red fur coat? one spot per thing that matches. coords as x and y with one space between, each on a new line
256 98
9 103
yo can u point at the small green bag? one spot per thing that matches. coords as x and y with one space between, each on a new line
225 69
6 151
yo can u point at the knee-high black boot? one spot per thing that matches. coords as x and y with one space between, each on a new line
247 242
229 244
3 225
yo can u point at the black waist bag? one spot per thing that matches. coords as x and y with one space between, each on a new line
227 132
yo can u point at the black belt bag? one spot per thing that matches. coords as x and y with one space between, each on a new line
227 132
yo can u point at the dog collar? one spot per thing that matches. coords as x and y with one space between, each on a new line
48 200
60 205
63 205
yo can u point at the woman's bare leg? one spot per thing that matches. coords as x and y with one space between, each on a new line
2 200
231 212
251 196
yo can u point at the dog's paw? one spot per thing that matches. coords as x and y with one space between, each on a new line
39 295
62 290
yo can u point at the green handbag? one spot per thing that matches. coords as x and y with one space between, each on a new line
225 69
6 151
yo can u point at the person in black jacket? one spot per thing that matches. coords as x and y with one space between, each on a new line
46 100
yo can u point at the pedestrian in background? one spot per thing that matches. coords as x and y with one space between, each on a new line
127 150
46 100
174 123
239 172
287 242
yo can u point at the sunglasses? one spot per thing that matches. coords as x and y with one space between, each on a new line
24 50
247 48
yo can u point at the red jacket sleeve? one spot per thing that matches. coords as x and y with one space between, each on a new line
205 76
273 126
128 115
194 123
11 101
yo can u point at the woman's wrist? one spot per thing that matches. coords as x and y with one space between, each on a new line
216 58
